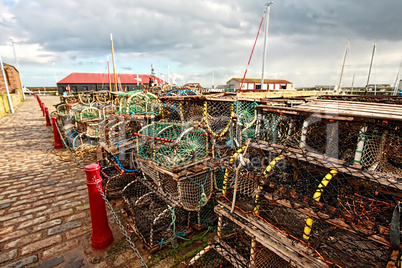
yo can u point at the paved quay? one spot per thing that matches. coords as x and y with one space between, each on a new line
44 209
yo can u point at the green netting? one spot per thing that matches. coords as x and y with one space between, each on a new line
172 144
83 113
137 103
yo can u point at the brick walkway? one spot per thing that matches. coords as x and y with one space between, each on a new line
44 210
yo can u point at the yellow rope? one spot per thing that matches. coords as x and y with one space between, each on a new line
317 197
226 176
267 170
206 120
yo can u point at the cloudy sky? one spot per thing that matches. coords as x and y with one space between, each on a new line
204 41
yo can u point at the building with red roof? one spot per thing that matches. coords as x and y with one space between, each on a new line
77 82
255 84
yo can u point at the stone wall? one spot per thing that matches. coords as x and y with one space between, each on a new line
16 99
13 79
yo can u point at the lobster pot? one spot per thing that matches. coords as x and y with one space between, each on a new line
333 138
102 96
278 129
218 116
242 250
76 139
337 129
117 133
331 206
205 216
137 103
86 119
190 186
114 180
172 144
379 149
182 109
245 184
154 219
210 257
246 118
85 97
83 113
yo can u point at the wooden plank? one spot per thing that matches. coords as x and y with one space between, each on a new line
290 250
320 108
327 162
353 107
336 221
223 248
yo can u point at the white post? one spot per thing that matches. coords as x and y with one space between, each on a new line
18 68
267 9
168 76
10 103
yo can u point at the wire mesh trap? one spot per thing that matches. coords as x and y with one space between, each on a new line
218 115
172 144
154 219
117 133
296 191
114 180
137 103
190 186
182 109
233 247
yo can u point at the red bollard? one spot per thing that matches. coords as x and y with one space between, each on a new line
44 109
101 234
47 117
56 134
41 104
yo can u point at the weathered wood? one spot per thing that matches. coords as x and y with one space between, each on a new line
342 110
327 162
290 250
384 231
223 248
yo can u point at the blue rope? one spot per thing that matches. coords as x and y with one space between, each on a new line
117 161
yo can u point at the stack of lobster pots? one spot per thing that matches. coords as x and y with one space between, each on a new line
315 185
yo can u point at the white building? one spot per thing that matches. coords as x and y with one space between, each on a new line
255 84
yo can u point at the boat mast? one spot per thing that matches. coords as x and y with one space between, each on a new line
114 67
267 9
343 66
395 92
371 64
108 75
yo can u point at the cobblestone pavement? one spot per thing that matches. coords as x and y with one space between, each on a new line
44 209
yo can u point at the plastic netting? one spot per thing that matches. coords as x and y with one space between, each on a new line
172 144
246 117
137 103
184 110
114 180
117 133
154 219
205 216
218 116
191 190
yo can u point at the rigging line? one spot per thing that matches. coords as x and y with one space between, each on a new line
252 51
